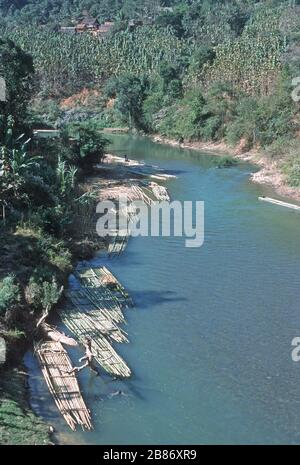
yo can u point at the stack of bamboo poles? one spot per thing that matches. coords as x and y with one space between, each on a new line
88 298
82 326
102 276
160 192
62 384
100 319
141 195
94 310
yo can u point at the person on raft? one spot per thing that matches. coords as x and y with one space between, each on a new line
89 357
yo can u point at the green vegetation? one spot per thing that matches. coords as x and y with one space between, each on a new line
198 70
40 197
210 70
226 162
9 293
18 425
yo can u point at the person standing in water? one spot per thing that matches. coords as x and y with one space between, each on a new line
88 357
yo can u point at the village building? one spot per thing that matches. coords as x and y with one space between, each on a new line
67 30
88 24
105 28
91 25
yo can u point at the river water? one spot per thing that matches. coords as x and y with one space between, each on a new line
212 328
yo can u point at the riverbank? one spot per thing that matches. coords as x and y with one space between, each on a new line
19 425
269 173
23 252
115 176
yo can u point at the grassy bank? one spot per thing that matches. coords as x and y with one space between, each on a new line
18 424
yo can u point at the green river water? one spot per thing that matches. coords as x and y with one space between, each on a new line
212 327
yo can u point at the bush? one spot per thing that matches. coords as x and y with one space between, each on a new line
33 293
292 171
13 335
42 294
61 260
9 293
87 147
281 147
210 130
51 294
225 162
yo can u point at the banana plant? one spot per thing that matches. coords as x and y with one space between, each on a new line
66 177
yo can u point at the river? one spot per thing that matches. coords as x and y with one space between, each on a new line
212 327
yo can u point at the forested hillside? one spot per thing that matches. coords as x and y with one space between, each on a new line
195 69
52 11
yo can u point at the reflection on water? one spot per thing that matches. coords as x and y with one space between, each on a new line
212 328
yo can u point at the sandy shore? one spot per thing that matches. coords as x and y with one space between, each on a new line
269 173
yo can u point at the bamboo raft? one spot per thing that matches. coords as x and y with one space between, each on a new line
99 320
89 298
120 237
99 277
64 388
101 297
160 192
104 353
141 195
280 203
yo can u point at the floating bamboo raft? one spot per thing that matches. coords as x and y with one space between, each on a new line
280 203
64 388
120 237
98 320
89 298
100 277
105 355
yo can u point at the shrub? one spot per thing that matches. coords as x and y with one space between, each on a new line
87 147
42 294
33 293
13 334
51 294
61 260
9 293
292 171
225 162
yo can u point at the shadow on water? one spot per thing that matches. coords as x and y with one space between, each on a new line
151 298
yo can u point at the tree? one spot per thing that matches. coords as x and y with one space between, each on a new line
130 92
16 67
171 19
87 147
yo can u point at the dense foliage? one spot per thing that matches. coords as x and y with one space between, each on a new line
195 69
39 198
